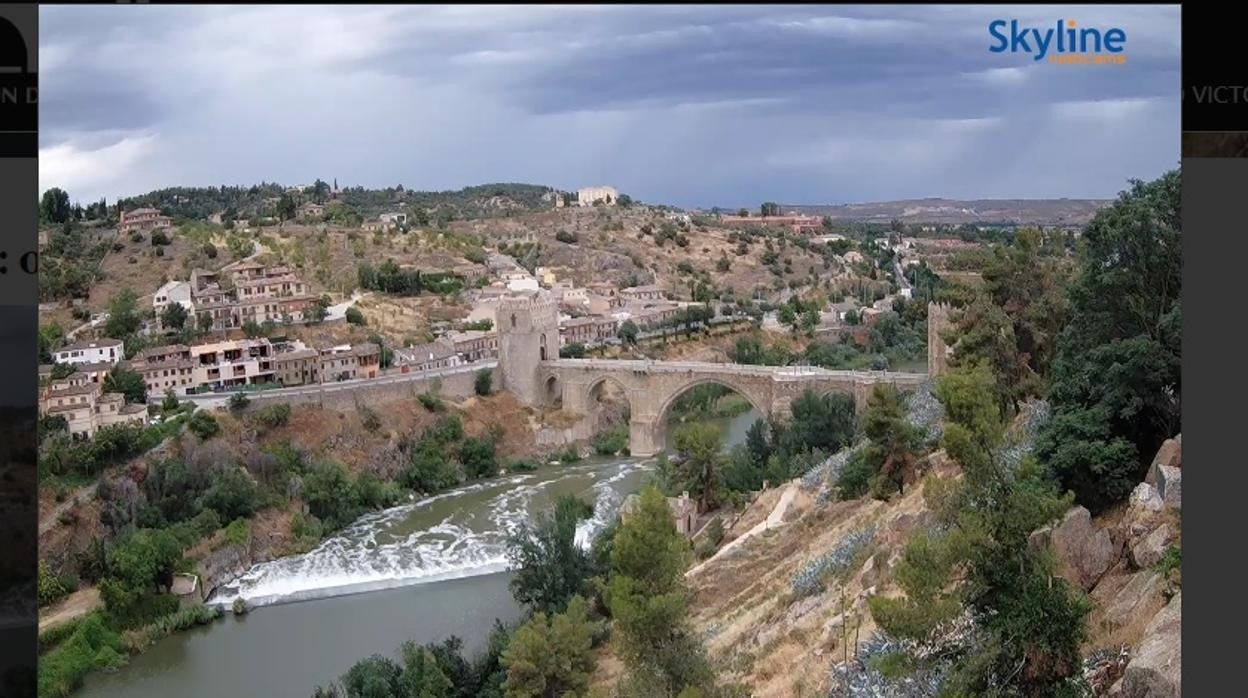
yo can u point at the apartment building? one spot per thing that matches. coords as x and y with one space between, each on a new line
644 293
232 363
473 345
426 357
173 292
298 367
348 362
86 407
166 369
105 350
591 329
143 219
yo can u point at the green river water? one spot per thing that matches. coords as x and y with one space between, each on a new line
421 572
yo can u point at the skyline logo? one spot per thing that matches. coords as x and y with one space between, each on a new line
1063 43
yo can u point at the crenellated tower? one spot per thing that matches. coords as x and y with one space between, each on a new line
528 333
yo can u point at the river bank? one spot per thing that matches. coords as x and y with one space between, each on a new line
424 571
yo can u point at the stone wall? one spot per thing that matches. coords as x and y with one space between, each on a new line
347 397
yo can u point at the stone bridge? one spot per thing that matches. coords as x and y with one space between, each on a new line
653 386
528 367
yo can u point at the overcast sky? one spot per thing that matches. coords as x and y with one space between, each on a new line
692 106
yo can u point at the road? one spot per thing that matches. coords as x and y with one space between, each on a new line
339 311
217 400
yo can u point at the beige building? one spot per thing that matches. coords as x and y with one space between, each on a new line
588 196
143 219
644 293
427 357
298 367
232 363
348 362
684 511
86 407
473 345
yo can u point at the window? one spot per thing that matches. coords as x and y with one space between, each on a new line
513 320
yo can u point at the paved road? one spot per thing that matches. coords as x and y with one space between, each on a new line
646 366
215 400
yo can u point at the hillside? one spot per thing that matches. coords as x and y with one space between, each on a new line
785 612
1058 212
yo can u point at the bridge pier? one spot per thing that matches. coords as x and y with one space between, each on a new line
643 436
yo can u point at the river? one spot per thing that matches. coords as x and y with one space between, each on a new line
420 571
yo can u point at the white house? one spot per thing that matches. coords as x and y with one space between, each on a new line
173 292
99 351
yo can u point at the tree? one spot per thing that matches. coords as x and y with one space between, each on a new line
550 567
894 441
123 318
128 383
173 317
625 201
698 446
422 675
318 312
819 422
355 317
757 442
769 208
1116 383
483 383
628 332
648 600
51 336
575 350
54 206
205 323
1029 623
551 658
286 208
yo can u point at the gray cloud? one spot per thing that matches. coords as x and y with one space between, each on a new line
688 105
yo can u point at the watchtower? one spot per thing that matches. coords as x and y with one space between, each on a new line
528 333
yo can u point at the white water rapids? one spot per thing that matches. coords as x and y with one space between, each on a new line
459 533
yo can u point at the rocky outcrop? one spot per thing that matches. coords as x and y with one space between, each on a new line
1170 486
1170 455
1147 551
1084 552
222 565
1156 669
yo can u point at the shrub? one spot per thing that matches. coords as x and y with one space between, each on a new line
238 532
569 454
483 384
611 442
50 588
159 238
523 465
856 476
91 646
274 416
203 425
355 317
239 402
478 458
430 402
566 237
369 418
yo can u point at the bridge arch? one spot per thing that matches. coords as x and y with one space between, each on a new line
658 428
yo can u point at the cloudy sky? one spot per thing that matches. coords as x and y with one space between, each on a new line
693 106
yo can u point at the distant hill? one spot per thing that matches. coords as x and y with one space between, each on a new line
957 212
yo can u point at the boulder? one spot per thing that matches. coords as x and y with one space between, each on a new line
1083 551
1145 498
1170 486
1156 669
1148 550
1170 455
1141 596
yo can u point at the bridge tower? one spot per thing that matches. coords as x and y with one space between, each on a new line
528 333
938 351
